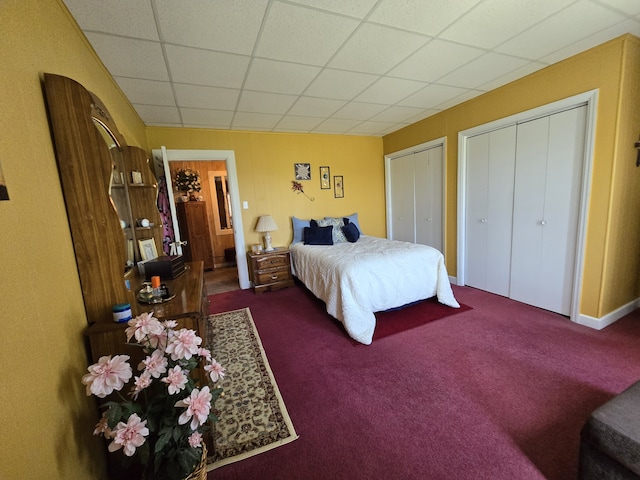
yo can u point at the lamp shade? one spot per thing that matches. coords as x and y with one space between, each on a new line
266 224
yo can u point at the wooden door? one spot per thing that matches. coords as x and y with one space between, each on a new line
194 225
550 153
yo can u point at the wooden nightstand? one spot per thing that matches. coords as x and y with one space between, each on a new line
270 271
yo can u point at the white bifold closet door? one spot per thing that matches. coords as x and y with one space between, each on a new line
489 206
522 205
416 192
549 152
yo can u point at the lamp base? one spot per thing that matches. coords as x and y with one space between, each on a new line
267 243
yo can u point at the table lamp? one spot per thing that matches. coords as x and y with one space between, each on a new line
266 224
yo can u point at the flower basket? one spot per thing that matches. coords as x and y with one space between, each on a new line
161 426
200 472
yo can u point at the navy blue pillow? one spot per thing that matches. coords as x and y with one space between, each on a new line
351 232
318 235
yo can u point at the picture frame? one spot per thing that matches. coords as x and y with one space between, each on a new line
338 186
325 178
148 249
302 171
4 192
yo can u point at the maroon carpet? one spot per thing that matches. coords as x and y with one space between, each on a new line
496 392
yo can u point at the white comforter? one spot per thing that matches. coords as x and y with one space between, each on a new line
371 275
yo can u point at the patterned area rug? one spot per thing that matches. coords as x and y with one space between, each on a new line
252 415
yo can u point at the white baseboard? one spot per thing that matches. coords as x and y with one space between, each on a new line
453 280
609 318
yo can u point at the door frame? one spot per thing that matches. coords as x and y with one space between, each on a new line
438 142
206 155
590 99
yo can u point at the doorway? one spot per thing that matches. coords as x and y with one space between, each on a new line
163 157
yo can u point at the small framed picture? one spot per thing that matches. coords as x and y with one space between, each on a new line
338 186
302 171
148 249
325 178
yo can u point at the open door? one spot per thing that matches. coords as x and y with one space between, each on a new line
162 158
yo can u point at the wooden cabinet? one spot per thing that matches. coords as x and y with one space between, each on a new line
108 186
270 270
194 228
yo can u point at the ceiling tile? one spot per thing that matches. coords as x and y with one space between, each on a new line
352 8
155 115
147 92
389 90
196 96
279 77
371 128
511 76
302 35
429 17
421 116
294 123
434 60
466 95
398 114
482 70
315 107
117 17
339 84
630 7
144 59
376 49
431 96
336 125
359 111
628 26
203 67
260 102
261 121
223 25
494 21
210 118
569 26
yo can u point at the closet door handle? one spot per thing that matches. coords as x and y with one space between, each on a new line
483 220
543 222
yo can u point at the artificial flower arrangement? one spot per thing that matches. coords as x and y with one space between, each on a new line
163 422
187 180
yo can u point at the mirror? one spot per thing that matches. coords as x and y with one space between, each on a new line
219 185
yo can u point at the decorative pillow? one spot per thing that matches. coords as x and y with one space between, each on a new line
337 224
318 235
353 218
298 227
350 231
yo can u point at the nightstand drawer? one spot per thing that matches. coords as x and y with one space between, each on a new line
272 275
273 260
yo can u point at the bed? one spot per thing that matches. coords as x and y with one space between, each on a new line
371 274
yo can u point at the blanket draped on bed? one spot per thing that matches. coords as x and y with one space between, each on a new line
371 275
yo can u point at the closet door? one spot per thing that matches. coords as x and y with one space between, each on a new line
550 152
428 196
402 199
489 209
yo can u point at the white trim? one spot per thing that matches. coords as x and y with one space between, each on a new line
438 142
609 318
230 158
589 98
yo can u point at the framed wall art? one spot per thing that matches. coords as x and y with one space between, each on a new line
302 171
148 249
4 193
325 178
338 186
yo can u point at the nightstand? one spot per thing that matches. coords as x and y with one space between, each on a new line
270 271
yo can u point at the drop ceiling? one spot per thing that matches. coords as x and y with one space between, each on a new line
356 67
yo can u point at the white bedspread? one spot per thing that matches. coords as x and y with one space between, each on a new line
371 275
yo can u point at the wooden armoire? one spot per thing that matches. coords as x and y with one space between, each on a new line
194 229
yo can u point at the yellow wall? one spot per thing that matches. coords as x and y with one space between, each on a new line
47 420
603 67
265 170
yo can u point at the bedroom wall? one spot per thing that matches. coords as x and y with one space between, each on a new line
47 420
615 181
265 170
